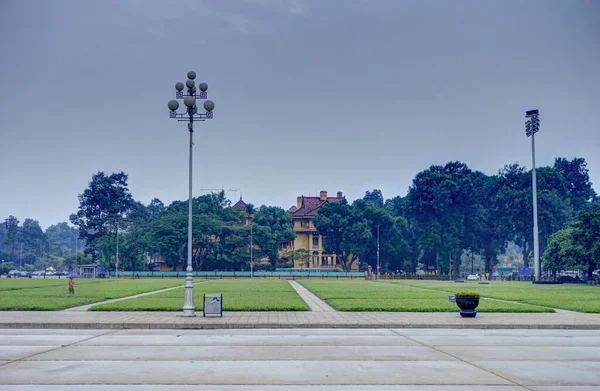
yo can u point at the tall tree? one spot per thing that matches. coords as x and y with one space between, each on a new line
102 206
33 238
155 208
63 239
273 225
576 175
345 231
436 201
13 235
374 197
587 235
563 253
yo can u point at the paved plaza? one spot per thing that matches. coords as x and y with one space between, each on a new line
294 319
300 359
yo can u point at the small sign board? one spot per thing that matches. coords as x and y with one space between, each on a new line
524 271
452 299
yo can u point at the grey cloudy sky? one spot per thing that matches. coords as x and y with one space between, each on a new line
328 94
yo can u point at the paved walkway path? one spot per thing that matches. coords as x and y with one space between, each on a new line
88 306
300 360
314 303
293 319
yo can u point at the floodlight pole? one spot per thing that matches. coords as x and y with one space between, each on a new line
191 114
532 126
378 264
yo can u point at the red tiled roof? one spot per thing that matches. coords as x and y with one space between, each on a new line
240 205
310 206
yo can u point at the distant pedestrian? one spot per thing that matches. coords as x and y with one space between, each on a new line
71 286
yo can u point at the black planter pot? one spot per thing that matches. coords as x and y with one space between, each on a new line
467 306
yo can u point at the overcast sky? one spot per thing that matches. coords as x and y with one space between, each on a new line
343 95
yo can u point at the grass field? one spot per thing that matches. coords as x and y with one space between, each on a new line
375 296
574 297
52 294
238 295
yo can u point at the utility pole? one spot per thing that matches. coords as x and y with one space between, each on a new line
251 254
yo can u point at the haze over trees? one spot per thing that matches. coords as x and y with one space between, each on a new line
451 216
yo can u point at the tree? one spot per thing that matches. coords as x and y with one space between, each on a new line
436 202
272 225
250 209
155 208
345 231
587 236
374 197
63 239
302 256
563 253
33 239
13 235
102 206
514 201
576 176
134 243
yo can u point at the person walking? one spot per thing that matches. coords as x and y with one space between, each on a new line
71 286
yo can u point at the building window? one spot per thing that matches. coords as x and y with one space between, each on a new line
315 242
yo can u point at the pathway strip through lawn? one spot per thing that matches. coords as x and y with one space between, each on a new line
314 303
88 306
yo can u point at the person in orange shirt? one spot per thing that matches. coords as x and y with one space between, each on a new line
71 286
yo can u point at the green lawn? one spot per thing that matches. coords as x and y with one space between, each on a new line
574 297
52 294
238 295
374 296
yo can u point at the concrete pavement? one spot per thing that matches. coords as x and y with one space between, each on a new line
300 360
291 319
314 303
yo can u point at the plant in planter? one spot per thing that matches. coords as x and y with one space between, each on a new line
467 301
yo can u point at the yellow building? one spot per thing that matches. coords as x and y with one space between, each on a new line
307 236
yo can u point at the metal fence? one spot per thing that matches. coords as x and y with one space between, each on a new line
257 274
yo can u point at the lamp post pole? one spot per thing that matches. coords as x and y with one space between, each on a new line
532 126
251 255
117 260
378 264
189 116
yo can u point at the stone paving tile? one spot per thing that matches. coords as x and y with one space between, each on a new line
18 352
522 353
286 332
412 387
247 340
551 373
246 372
507 340
242 353
35 340
563 388
146 320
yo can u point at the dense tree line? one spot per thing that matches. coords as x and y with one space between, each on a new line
450 215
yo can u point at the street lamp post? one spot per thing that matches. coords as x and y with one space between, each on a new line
191 114
532 126
378 264
251 255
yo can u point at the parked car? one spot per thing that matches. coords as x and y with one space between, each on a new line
472 277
